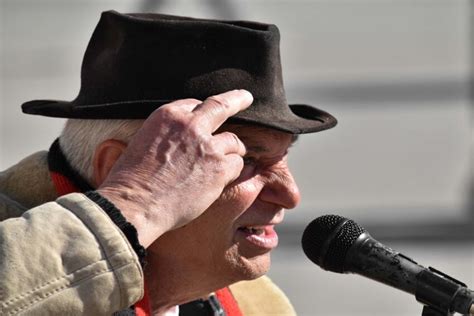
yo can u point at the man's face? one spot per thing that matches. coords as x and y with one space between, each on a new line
232 239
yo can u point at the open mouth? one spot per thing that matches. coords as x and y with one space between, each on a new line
262 237
252 230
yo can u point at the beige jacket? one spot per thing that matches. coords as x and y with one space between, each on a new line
66 257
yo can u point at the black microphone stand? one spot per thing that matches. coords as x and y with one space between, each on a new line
442 293
431 311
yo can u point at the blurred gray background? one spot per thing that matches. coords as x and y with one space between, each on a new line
398 76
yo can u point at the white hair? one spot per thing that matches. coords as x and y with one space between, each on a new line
80 138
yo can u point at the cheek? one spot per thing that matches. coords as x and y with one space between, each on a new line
217 223
239 196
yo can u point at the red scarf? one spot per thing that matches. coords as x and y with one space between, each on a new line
142 308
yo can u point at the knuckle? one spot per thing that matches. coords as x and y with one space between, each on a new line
180 122
211 149
194 125
235 167
238 143
235 138
174 116
219 101
240 165
192 101
181 102
168 111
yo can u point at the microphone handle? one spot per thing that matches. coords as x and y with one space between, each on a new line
374 260
431 287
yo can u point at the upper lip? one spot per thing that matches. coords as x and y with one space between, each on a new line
273 223
262 224
263 218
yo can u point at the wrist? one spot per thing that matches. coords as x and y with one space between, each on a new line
125 226
136 211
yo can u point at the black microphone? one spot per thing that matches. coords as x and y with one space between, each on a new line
340 245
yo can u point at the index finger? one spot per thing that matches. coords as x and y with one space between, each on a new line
217 109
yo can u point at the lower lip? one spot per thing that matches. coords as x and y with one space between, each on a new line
268 240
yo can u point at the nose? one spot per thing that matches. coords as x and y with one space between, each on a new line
280 188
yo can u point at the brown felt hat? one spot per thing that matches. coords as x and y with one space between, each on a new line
136 62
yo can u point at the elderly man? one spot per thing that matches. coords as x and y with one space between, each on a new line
166 150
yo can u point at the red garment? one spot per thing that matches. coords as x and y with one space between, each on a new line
64 186
228 302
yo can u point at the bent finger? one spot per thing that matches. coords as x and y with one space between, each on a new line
234 166
229 143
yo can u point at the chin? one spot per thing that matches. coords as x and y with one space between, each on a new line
245 267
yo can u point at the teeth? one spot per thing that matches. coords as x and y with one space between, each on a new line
255 231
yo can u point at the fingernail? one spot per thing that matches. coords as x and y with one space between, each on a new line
248 94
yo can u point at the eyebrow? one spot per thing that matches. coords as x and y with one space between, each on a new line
256 149
262 149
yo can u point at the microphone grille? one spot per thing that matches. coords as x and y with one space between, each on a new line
316 233
327 240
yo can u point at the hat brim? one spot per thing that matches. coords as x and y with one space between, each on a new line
301 120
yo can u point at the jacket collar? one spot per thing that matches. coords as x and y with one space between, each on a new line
58 163
29 182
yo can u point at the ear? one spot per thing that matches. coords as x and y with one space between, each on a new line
105 156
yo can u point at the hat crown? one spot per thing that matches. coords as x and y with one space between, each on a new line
135 63
162 57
